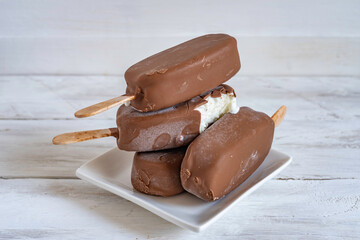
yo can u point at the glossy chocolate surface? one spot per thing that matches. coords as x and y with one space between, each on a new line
168 128
226 153
158 173
182 72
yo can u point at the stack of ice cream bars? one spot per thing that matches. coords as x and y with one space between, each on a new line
184 123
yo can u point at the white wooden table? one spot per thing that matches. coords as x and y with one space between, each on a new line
316 197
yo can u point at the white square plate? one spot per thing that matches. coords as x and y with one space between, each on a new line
111 171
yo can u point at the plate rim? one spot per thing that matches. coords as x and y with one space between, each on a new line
108 186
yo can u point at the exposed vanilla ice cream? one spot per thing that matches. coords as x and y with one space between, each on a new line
175 126
215 108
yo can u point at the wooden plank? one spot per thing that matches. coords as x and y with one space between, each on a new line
320 130
163 18
31 97
73 209
318 153
265 55
279 38
307 98
27 150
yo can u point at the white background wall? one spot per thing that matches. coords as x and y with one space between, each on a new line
278 37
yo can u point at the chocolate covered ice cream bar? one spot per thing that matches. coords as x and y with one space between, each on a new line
182 72
175 126
158 173
168 128
176 75
227 153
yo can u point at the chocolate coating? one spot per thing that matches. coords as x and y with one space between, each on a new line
182 72
226 154
158 173
168 128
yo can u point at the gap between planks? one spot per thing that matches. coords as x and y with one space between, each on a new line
55 119
237 75
76 178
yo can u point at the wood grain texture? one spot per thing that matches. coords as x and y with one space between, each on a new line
279 115
316 197
275 37
61 43
109 18
81 136
57 97
318 153
266 55
27 149
100 107
308 98
73 209
320 130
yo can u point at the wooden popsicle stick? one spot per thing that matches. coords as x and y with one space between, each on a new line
103 106
279 115
74 137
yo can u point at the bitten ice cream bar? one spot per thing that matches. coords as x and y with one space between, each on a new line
175 126
176 75
168 128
